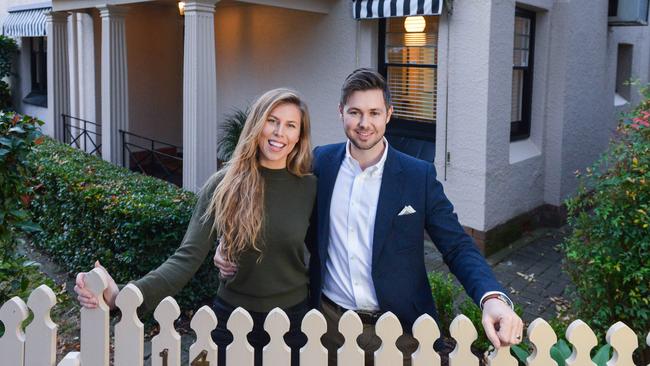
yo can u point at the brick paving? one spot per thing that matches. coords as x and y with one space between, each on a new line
530 269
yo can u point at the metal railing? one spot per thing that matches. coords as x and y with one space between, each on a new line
152 157
82 134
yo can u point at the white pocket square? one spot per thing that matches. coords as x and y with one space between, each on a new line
407 210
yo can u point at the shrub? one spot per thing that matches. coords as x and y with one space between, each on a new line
8 49
18 135
608 252
90 209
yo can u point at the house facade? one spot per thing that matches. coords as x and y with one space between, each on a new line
508 99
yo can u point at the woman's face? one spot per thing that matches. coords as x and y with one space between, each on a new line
279 137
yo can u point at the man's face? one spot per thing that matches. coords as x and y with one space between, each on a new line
365 117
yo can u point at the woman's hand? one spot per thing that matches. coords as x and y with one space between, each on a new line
87 299
226 268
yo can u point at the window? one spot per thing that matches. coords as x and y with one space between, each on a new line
409 62
38 62
522 74
623 73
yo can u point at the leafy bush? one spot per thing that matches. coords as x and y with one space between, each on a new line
8 49
90 209
608 252
18 135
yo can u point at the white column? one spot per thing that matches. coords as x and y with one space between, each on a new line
86 42
58 98
74 75
199 95
115 86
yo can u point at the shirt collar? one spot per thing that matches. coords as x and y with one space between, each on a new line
374 170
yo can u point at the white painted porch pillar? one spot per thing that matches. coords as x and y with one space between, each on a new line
58 77
115 86
199 95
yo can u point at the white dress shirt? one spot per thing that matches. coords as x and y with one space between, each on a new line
348 269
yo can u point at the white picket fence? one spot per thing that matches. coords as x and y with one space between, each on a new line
36 345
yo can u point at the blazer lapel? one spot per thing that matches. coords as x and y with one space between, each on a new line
330 165
388 206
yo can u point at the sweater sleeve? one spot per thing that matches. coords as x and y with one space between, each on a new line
171 276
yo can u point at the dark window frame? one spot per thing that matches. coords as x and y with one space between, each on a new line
399 126
520 130
38 93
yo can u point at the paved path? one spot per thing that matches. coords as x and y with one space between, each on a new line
530 269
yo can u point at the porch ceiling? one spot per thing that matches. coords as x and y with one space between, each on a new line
315 6
68 5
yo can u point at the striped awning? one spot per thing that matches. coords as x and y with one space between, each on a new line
28 22
375 9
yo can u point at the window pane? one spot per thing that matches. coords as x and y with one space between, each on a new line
517 94
413 88
412 48
414 92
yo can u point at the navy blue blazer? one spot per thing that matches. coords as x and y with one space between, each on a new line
398 270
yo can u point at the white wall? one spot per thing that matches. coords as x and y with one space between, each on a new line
489 179
262 47
154 38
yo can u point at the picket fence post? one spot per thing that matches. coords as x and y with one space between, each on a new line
276 353
426 331
166 346
240 352
583 340
388 328
40 345
94 323
12 343
129 332
623 341
314 326
71 359
542 337
350 354
203 323
463 331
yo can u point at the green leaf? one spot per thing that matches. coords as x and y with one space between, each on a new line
17 129
29 227
520 352
6 141
560 352
4 152
603 355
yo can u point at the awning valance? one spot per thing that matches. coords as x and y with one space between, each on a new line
26 22
374 9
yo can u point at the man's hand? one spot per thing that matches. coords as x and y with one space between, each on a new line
87 299
502 326
226 268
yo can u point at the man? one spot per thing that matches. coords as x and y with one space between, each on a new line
373 205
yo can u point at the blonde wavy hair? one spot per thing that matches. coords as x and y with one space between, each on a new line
237 204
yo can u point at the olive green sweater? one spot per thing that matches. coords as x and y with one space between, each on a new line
279 278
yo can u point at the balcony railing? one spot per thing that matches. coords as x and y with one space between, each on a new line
152 157
82 134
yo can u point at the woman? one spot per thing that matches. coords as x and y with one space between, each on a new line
259 206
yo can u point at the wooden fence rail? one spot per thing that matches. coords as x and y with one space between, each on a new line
36 345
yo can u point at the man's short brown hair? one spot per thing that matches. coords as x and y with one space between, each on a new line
361 80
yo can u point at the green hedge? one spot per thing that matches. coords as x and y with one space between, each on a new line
90 209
